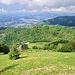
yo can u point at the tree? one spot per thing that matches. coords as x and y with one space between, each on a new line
14 53
4 48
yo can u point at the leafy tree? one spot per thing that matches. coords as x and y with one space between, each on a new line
14 53
4 48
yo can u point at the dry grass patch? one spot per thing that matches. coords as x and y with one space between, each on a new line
58 69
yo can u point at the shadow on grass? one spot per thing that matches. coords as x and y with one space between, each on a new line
7 68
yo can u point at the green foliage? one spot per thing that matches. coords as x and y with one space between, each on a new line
4 48
14 53
48 46
59 46
66 48
34 47
45 47
43 33
73 44
62 20
54 45
60 41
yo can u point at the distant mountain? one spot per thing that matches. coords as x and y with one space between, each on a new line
62 20
24 19
29 19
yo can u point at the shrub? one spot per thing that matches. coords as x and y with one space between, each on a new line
14 53
50 46
66 48
59 46
60 41
73 44
55 45
45 48
4 48
34 47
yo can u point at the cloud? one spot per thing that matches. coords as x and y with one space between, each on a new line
59 9
49 5
7 2
11 2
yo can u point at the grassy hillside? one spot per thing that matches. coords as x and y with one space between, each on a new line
37 33
39 63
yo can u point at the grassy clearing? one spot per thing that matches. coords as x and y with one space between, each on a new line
39 44
39 63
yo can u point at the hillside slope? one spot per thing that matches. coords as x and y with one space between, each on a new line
62 20
37 33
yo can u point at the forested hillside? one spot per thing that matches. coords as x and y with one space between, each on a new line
37 33
62 20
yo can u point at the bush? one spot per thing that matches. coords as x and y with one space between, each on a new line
45 48
4 48
66 48
55 45
14 53
59 46
73 44
60 41
50 46
34 47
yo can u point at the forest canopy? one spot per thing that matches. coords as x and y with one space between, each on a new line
45 33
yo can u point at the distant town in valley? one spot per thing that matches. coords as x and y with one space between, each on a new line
30 19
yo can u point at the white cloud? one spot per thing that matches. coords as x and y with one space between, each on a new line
7 2
59 9
44 5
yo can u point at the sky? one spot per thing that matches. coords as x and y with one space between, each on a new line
37 5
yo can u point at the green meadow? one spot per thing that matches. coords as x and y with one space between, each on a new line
43 56
39 63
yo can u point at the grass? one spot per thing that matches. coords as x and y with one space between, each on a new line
39 44
39 63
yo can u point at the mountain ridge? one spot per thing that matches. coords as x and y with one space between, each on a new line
62 20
